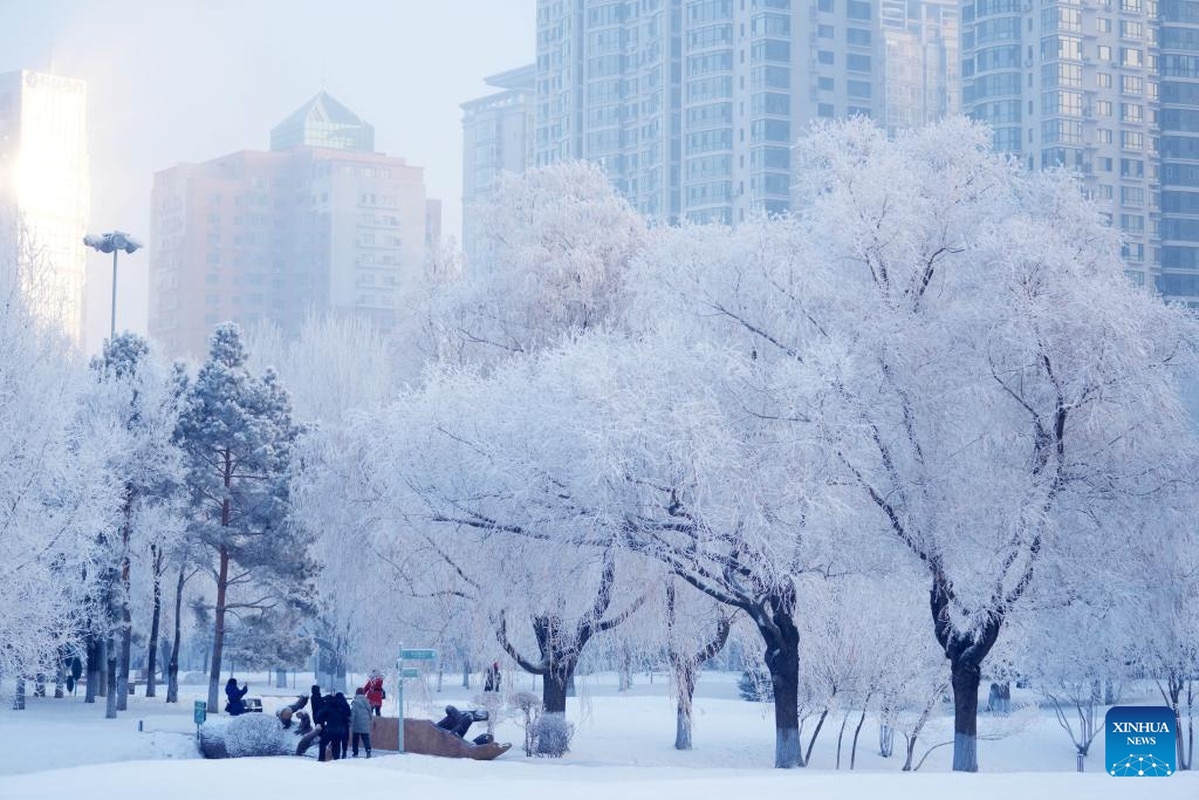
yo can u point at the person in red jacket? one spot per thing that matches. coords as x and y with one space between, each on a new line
375 693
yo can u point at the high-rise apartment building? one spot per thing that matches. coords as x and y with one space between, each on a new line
321 223
608 91
497 137
692 106
922 62
1108 88
45 186
1178 122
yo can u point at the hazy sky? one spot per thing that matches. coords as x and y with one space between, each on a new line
185 80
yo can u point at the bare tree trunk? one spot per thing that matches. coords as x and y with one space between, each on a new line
93 668
18 697
965 678
782 660
965 651
812 742
218 631
122 682
841 737
853 750
110 710
173 661
155 614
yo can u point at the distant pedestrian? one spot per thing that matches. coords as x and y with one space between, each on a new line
235 705
360 722
375 694
491 680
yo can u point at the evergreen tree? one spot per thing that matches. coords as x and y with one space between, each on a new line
237 434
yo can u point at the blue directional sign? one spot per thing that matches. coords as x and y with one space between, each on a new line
420 654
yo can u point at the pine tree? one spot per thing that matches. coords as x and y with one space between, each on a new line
237 434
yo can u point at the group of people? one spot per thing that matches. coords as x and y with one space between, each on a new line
339 726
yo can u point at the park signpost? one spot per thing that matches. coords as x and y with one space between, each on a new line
416 654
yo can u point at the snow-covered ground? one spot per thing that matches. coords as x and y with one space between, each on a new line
623 748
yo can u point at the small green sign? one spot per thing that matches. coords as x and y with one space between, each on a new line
410 672
422 654
200 712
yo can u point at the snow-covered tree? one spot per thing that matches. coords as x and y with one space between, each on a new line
237 435
336 370
957 337
55 493
143 396
560 242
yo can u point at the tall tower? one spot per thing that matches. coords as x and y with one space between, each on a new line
45 186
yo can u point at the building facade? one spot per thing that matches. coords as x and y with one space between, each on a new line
45 187
497 137
1107 88
1178 115
320 224
692 106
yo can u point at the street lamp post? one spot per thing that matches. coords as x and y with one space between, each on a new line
112 242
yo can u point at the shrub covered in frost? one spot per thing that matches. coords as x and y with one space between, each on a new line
552 734
257 735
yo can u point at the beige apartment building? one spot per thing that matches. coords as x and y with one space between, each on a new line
319 224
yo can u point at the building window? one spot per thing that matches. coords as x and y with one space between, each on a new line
857 36
824 56
1132 140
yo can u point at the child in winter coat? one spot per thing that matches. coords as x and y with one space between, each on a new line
360 722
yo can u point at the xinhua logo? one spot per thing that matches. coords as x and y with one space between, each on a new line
1140 741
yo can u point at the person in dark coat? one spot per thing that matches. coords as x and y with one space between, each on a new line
337 725
459 722
317 701
235 705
